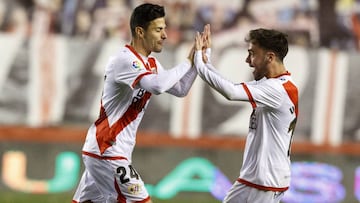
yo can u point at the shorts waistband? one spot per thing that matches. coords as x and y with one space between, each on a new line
260 187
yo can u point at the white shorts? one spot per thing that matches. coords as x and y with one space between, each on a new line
110 181
241 193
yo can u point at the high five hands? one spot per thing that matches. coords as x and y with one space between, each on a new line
202 42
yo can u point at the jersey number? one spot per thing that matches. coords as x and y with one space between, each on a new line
124 177
291 129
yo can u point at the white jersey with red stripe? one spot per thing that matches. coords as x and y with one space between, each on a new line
122 105
130 80
266 163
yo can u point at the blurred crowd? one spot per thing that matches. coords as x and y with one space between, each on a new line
313 23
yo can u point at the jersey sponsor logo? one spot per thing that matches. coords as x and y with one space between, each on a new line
136 65
137 102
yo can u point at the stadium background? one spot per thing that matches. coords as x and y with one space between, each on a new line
188 150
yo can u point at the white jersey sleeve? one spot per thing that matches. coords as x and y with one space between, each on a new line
264 95
164 80
181 88
208 73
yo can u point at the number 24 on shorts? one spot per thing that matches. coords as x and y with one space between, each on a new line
124 176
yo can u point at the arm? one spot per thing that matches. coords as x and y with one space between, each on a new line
181 89
209 74
165 79
182 86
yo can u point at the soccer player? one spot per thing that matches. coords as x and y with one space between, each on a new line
132 76
265 171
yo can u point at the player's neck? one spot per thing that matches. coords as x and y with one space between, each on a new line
276 70
139 48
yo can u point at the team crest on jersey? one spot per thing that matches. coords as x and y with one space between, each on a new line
136 65
134 189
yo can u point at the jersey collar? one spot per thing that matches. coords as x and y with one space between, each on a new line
138 56
286 73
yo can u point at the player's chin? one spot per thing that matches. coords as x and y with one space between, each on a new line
159 46
157 49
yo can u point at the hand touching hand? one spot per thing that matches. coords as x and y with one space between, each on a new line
203 41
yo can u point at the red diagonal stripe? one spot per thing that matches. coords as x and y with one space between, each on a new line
106 135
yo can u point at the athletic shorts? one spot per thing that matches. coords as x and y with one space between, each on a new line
110 181
241 193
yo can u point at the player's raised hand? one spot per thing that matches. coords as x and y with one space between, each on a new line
199 45
199 42
207 36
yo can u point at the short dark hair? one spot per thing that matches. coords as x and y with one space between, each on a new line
271 40
144 14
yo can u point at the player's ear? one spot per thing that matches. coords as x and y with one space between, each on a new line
270 56
139 31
